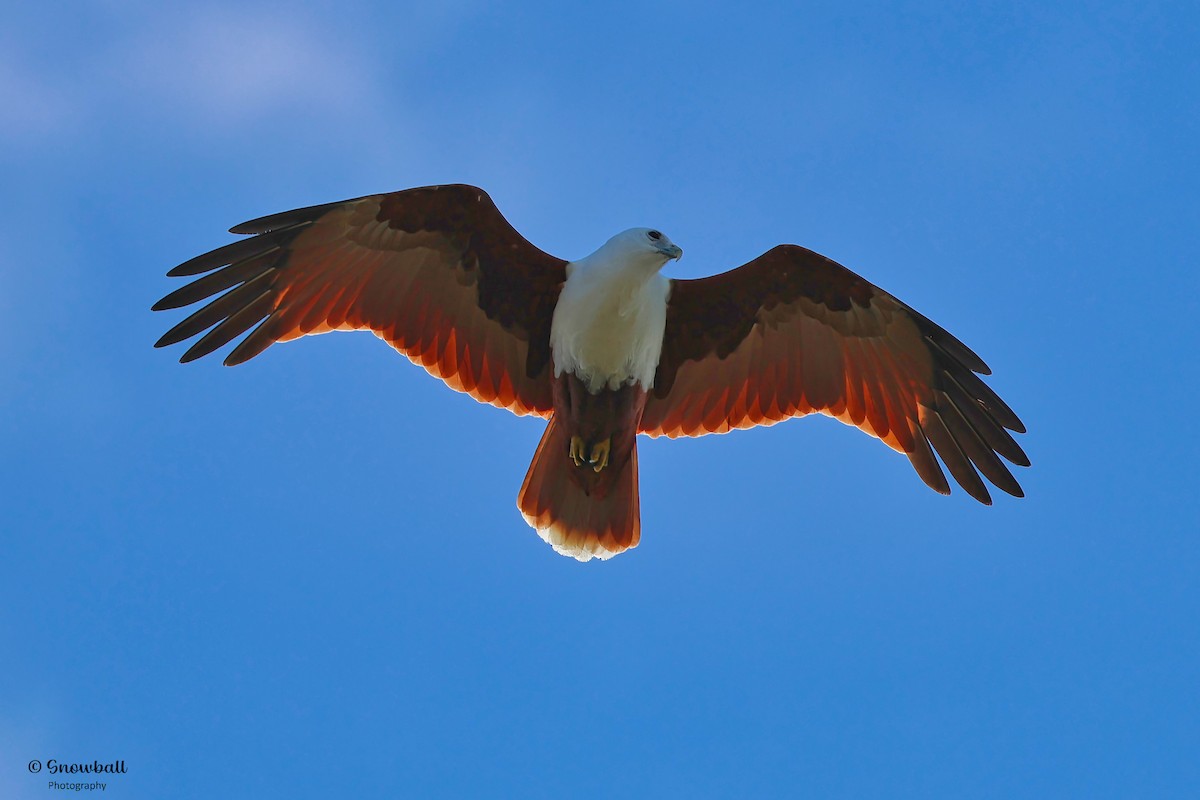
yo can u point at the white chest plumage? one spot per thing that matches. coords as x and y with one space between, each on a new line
609 322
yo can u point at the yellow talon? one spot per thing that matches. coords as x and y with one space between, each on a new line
599 459
576 452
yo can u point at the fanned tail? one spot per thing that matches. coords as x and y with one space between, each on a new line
574 523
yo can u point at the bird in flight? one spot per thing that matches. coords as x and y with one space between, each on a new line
605 347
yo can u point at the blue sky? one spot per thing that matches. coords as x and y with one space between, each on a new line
306 577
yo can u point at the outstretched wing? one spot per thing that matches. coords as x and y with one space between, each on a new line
437 272
793 333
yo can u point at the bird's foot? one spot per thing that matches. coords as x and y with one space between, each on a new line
599 454
596 457
578 448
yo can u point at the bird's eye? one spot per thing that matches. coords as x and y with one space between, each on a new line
655 235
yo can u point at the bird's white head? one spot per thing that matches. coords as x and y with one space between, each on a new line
642 247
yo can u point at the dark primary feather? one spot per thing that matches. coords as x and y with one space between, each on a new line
219 281
952 455
284 219
250 263
229 254
254 311
224 306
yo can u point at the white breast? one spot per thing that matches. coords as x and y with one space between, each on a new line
609 323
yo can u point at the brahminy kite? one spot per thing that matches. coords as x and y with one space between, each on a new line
604 347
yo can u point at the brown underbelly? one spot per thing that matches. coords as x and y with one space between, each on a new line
611 414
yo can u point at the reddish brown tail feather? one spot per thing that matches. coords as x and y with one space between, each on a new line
572 522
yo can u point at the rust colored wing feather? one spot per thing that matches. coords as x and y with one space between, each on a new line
437 272
794 333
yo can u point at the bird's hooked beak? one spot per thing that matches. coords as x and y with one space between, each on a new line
672 251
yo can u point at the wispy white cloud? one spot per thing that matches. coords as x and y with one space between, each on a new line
234 68
312 78
222 67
